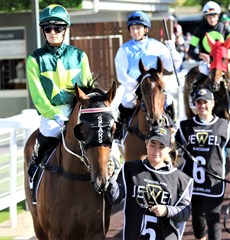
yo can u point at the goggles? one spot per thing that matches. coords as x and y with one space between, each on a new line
136 18
210 11
57 29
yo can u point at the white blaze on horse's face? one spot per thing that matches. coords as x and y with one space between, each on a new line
153 84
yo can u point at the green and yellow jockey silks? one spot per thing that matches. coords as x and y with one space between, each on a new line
51 72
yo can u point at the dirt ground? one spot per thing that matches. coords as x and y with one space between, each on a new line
24 230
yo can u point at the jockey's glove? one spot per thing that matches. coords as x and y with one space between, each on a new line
60 119
170 45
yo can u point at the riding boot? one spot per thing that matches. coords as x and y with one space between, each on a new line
123 117
42 144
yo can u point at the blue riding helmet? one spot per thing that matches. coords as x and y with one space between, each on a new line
139 18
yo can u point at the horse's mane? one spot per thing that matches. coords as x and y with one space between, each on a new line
87 90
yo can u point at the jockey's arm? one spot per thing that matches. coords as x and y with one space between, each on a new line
38 95
193 51
121 64
205 57
167 59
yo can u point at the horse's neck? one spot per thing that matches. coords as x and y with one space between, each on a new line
140 120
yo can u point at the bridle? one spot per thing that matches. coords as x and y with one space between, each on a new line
102 129
99 121
164 121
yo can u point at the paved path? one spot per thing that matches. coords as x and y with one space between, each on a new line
24 231
115 232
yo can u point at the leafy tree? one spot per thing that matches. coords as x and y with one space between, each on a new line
25 5
223 3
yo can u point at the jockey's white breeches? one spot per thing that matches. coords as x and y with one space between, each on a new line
129 98
49 127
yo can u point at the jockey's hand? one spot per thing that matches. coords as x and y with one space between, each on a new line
173 132
205 57
60 119
110 167
170 45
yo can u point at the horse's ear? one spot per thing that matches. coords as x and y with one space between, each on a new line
227 43
211 41
159 65
112 92
79 93
141 67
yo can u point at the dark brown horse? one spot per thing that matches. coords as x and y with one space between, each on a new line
149 111
70 202
217 81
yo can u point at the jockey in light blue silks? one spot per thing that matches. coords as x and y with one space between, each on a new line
128 57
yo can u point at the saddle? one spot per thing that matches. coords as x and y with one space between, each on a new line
38 173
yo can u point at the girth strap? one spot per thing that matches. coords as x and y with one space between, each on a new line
70 176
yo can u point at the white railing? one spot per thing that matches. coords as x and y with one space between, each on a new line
27 122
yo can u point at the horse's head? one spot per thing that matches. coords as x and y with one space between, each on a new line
94 132
152 88
218 61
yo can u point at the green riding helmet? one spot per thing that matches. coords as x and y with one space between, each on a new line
54 14
225 18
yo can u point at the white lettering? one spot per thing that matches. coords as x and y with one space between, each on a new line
100 130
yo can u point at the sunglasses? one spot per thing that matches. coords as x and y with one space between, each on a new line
57 29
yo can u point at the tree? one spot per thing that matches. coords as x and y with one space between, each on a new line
25 5
223 3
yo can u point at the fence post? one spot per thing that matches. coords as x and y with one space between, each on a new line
13 178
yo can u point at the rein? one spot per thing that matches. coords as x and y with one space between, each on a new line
135 130
81 157
213 175
227 94
194 160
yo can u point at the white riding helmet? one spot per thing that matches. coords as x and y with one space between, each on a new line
211 8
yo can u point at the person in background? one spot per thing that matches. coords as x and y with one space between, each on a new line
225 19
179 37
157 195
128 57
51 71
206 137
216 30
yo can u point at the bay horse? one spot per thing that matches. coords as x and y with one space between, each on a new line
217 81
70 199
149 110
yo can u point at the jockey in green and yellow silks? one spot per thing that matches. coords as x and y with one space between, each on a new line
216 30
51 72
199 48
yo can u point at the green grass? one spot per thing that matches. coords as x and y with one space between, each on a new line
5 214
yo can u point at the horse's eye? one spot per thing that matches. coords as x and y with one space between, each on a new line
211 58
